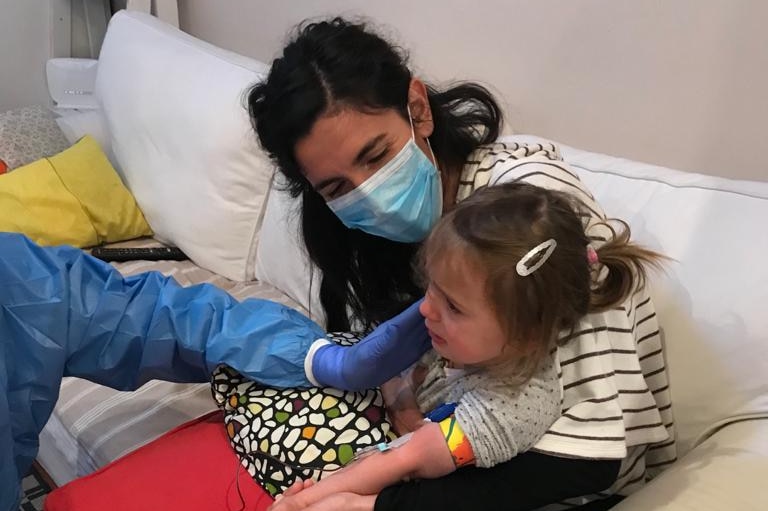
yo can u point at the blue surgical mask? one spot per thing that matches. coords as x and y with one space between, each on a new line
402 201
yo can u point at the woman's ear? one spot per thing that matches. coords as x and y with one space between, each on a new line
418 102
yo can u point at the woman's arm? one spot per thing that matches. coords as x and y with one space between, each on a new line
425 455
528 481
344 502
336 502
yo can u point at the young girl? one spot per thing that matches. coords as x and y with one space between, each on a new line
510 273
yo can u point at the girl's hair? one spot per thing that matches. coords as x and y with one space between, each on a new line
338 64
498 225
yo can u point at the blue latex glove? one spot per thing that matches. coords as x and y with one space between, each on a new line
392 347
64 313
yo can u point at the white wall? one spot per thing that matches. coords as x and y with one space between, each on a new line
33 31
681 83
28 38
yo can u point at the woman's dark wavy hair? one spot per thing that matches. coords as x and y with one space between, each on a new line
336 64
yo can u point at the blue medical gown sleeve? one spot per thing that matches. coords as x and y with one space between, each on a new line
64 313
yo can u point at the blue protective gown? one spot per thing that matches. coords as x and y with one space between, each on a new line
64 313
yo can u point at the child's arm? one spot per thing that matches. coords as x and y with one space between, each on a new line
425 455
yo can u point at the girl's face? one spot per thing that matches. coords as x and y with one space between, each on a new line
460 319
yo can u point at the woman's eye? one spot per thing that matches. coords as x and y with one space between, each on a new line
335 191
378 157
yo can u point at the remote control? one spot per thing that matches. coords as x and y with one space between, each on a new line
114 254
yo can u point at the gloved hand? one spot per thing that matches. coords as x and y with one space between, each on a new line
392 347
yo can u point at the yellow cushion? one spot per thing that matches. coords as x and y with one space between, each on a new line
72 198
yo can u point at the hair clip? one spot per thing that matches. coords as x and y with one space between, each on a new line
592 257
522 265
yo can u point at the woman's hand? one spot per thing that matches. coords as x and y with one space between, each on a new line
345 501
296 487
284 502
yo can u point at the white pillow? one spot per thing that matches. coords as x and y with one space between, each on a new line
175 113
281 258
711 298
90 122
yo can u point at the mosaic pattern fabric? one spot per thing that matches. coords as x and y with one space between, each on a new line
280 435
28 134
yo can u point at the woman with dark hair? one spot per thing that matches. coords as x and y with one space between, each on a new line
376 156
365 84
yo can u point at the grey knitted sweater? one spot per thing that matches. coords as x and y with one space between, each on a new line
499 418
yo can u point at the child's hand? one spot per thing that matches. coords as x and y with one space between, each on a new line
402 408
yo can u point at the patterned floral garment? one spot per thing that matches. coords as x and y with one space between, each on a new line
281 435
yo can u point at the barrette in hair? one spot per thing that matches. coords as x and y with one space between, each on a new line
592 257
542 251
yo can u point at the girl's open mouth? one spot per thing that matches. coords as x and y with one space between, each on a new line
436 338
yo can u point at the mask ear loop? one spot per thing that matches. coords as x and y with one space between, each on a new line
410 120
434 159
413 137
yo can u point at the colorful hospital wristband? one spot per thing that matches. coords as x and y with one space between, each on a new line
458 443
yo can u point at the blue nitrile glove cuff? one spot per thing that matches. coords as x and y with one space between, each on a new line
318 345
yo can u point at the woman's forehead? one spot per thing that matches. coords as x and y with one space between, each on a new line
336 139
